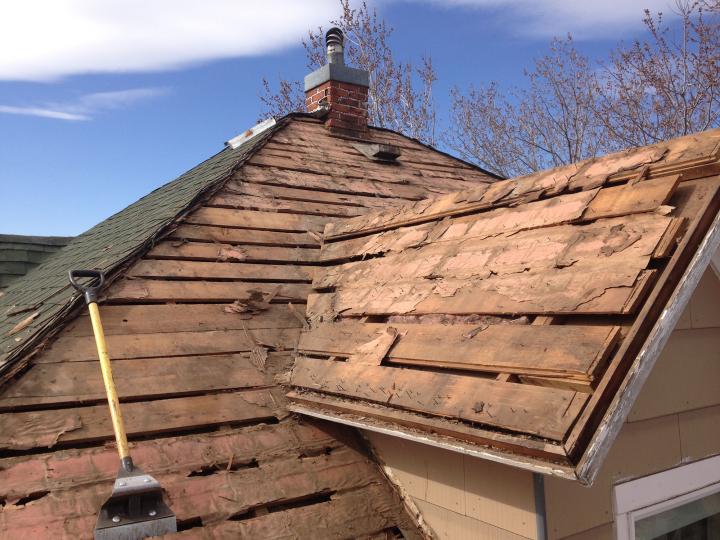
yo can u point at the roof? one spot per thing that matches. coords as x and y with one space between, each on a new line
36 303
202 317
514 321
20 253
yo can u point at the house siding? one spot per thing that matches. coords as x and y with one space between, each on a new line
459 496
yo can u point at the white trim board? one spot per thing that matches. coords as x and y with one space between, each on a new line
662 491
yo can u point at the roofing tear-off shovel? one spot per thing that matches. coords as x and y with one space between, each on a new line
135 508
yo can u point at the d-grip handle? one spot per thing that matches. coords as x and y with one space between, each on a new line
89 291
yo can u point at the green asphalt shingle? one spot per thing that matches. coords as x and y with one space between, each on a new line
45 290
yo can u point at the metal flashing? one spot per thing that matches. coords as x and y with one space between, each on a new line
338 73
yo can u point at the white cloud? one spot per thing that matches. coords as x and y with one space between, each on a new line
87 106
44 40
584 19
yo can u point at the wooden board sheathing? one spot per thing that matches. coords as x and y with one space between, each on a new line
65 383
250 202
507 220
239 187
64 469
561 351
201 270
421 424
216 252
644 196
544 412
45 429
378 172
334 184
257 219
603 291
326 148
369 513
160 318
213 498
603 243
278 240
414 154
82 348
374 168
155 290
409 160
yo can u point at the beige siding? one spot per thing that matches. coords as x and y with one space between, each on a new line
461 497
674 421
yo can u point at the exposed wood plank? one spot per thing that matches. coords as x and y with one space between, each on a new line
77 349
604 242
527 409
211 498
135 290
227 252
20 431
423 423
328 159
556 350
609 202
333 184
610 290
74 382
250 202
254 219
312 195
246 236
533 215
389 174
159 318
191 269
361 513
67 469
643 196
411 156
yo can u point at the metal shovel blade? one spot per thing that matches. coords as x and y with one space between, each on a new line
134 510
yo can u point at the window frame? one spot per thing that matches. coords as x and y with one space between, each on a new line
656 493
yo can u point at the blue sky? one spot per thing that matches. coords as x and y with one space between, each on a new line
101 102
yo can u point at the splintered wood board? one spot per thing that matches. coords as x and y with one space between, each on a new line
563 351
557 291
45 429
527 409
614 201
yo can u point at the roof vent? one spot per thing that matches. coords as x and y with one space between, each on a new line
334 41
378 151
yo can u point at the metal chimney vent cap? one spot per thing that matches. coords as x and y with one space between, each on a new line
334 41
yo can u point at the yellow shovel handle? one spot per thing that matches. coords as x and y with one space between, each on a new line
117 420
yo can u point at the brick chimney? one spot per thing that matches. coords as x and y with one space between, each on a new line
340 89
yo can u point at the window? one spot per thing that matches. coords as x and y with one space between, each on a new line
679 504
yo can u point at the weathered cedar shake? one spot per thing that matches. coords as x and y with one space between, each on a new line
200 328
